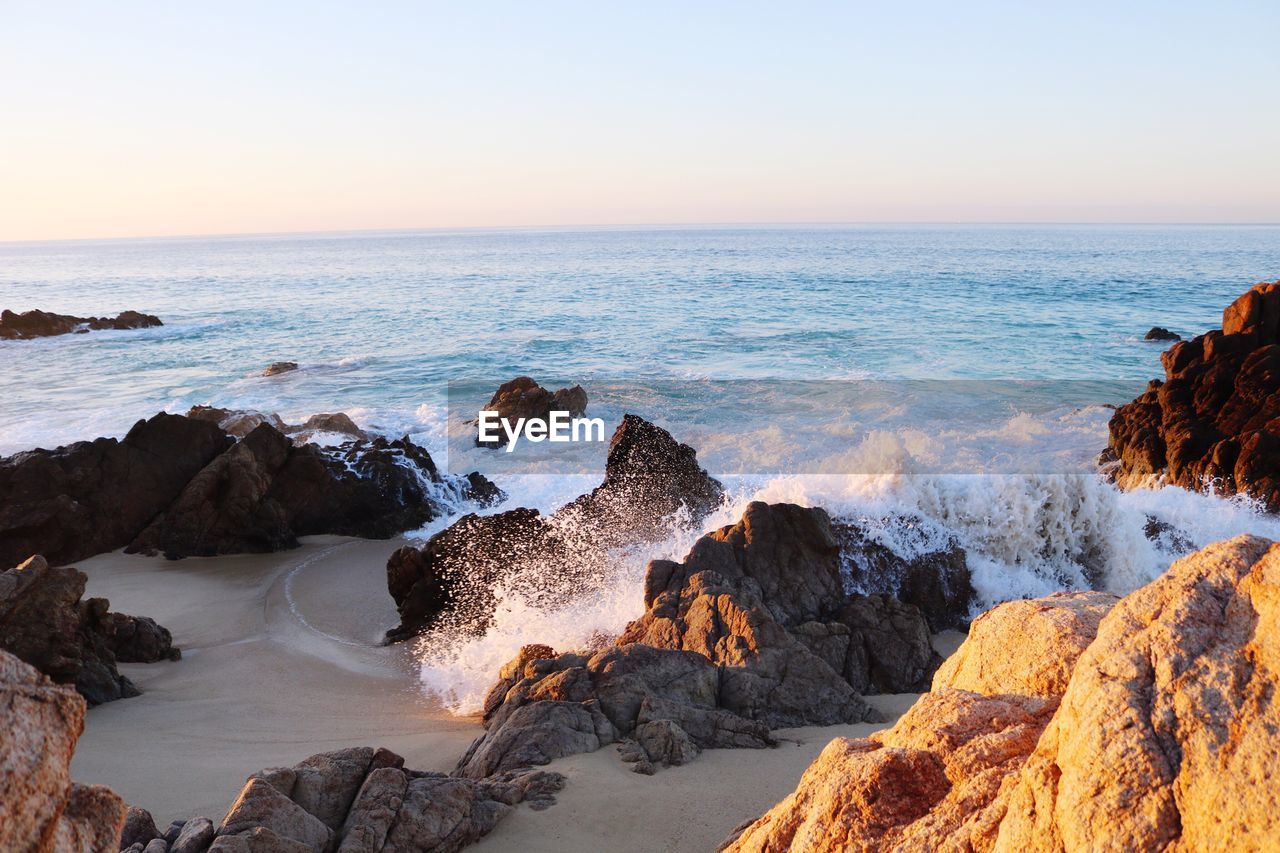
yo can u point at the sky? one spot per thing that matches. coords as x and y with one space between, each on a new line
139 118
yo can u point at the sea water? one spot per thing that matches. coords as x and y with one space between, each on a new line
955 377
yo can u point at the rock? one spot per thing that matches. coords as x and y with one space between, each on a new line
326 784
139 828
374 810
39 324
40 807
1161 738
278 367
139 639
1214 422
91 497
443 813
264 493
156 845
261 805
1160 333
1049 634
753 630
338 423
175 829
449 582
194 836
235 422
45 623
522 398
936 581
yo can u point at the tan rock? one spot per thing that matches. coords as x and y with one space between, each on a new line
1026 648
261 805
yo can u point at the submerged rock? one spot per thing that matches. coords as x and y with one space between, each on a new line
1160 333
650 478
278 367
523 398
41 324
752 631
45 621
1155 734
1214 422
40 807
241 422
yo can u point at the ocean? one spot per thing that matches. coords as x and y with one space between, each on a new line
932 383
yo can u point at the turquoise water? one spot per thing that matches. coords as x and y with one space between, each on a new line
383 321
779 353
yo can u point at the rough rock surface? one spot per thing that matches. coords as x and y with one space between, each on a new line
40 807
358 800
45 621
94 496
1164 738
649 478
278 367
41 324
140 639
1214 422
937 580
264 492
752 631
523 398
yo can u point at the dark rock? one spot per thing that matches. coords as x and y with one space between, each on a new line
1160 333
39 324
139 639
278 367
194 836
237 422
522 398
265 492
937 581
139 828
1214 422
649 478
44 622
754 630
94 496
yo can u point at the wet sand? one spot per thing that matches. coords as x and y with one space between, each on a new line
281 660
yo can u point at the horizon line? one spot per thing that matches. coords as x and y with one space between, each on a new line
623 226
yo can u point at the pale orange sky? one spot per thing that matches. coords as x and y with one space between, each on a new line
154 119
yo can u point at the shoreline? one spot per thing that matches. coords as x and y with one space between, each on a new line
280 661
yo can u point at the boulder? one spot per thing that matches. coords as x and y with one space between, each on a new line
40 807
278 367
449 582
1156 734
95 496
361 800
40 324
523 398
139 639
264 493
1214 421
139 828
45 622
753 630
1160 333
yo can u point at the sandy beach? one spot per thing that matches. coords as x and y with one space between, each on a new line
281 660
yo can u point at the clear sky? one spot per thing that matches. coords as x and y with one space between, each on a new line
139 118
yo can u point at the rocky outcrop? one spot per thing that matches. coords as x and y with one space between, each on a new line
278 367
41 809
650 479
46 622
937 580
94 496
1160 333
1214 421
1161 738
524 399
357 800
43 324
264 492
752 631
